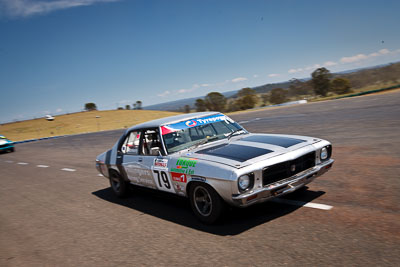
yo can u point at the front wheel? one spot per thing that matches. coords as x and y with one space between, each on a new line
119 186
206 204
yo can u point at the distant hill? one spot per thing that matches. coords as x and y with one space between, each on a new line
365 68
177 104
173 105
268 87
358 78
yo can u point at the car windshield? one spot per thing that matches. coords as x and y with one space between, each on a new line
192 133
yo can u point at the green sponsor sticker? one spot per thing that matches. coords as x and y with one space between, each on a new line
184 165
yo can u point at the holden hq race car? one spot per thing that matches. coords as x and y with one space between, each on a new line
212 160
6 145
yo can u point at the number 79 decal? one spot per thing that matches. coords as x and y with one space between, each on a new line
163 181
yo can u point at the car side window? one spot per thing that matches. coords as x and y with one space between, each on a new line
151 144
131 143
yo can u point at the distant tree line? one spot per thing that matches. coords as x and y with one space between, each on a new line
321 83
246 98
135 106
365 77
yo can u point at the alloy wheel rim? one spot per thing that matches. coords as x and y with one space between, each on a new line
202 201
116 184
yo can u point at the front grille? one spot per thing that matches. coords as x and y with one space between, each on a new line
284 170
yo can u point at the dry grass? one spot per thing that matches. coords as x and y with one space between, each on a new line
359 90
81 122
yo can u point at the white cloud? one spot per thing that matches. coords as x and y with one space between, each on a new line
359 58
164 94
330 63
273 75
384 51
182 91
296 70
239 79
202 85
26 8
362 57
315 66
353 58
59 110
255 76
193 88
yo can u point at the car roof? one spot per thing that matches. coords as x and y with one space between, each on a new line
171 120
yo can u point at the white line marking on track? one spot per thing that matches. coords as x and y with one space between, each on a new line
101 175
22 163
68 170
318 206
42 166
301 204
243 122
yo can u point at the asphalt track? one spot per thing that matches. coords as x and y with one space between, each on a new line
56 211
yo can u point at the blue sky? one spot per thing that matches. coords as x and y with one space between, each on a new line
55 56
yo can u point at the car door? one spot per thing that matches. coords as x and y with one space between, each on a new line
132 160
152 160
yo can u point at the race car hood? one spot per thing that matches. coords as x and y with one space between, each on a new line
248 149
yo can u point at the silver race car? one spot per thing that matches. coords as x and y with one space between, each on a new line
212 160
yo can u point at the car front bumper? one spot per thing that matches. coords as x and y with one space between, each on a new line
281 187
6 147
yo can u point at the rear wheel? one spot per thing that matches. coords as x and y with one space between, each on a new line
119 186
206 204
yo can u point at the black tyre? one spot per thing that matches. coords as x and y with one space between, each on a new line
206 204
119 186
12 149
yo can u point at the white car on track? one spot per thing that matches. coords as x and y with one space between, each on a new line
6 145
212 160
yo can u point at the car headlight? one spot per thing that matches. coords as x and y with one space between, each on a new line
324 153
245 181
